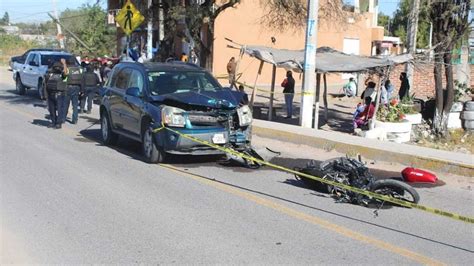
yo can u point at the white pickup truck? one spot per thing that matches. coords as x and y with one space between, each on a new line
32 73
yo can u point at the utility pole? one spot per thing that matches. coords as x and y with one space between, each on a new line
149 37
70 32
161 24
309 68
60 35
411 36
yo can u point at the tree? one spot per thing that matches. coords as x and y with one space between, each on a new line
400 23
384 21
88 23
198 16
282 15
450 23
5 20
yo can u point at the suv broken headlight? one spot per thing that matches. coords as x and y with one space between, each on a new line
173 117
245 115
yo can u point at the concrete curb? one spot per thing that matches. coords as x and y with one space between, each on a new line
410 155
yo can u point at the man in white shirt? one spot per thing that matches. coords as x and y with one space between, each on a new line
350 88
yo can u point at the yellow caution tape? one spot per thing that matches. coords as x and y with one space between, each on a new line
258 89
156 130
270 92
451 215
224 76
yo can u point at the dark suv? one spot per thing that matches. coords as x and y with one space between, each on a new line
139 98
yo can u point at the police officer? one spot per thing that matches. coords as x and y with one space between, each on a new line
74 90
56 90
91 84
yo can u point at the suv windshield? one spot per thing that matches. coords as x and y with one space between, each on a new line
165 82
49 60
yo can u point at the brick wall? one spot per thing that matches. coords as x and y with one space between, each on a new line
423 82
471 67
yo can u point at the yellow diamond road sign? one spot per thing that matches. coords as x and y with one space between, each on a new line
129 17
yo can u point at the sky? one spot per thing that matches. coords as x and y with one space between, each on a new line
387 7
35 10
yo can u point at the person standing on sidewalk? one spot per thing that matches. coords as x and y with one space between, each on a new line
231 68
91 85
75 89
56 92
289 90
404 87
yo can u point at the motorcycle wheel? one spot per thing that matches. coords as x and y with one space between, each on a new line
396 189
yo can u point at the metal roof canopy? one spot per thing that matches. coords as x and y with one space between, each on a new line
328 60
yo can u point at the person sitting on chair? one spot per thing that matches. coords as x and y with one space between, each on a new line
362 119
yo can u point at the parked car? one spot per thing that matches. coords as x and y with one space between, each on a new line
139 98
32 73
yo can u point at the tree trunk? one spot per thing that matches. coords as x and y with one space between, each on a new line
208 49
439 123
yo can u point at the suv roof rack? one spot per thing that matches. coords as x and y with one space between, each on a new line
183 63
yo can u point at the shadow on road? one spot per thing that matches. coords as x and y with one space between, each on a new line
30 98
42 123
125 146
133 149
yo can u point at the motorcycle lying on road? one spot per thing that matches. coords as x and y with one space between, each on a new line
352 172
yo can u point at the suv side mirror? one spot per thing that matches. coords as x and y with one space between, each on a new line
133 91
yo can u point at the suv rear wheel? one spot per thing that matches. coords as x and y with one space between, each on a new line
152 153
108 136
20 88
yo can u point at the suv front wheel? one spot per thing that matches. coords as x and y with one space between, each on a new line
20 88
152 153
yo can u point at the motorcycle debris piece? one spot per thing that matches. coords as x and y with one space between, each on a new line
275 152
414 175
234 159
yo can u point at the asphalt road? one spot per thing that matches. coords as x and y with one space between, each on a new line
66 198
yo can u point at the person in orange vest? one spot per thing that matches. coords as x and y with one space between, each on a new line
184 57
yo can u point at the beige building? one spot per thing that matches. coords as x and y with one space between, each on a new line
358 33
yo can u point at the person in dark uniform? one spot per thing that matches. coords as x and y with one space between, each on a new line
91 84
56 91
74 90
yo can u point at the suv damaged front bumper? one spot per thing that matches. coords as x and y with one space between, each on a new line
175 143
229 128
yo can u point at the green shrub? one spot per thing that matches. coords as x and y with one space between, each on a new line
12 45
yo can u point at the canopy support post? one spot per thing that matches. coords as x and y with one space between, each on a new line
325 99
254 91
270 107
316 100
385 73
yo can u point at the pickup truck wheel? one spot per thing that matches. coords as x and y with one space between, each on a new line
20 88
108 136
41 89
152 153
